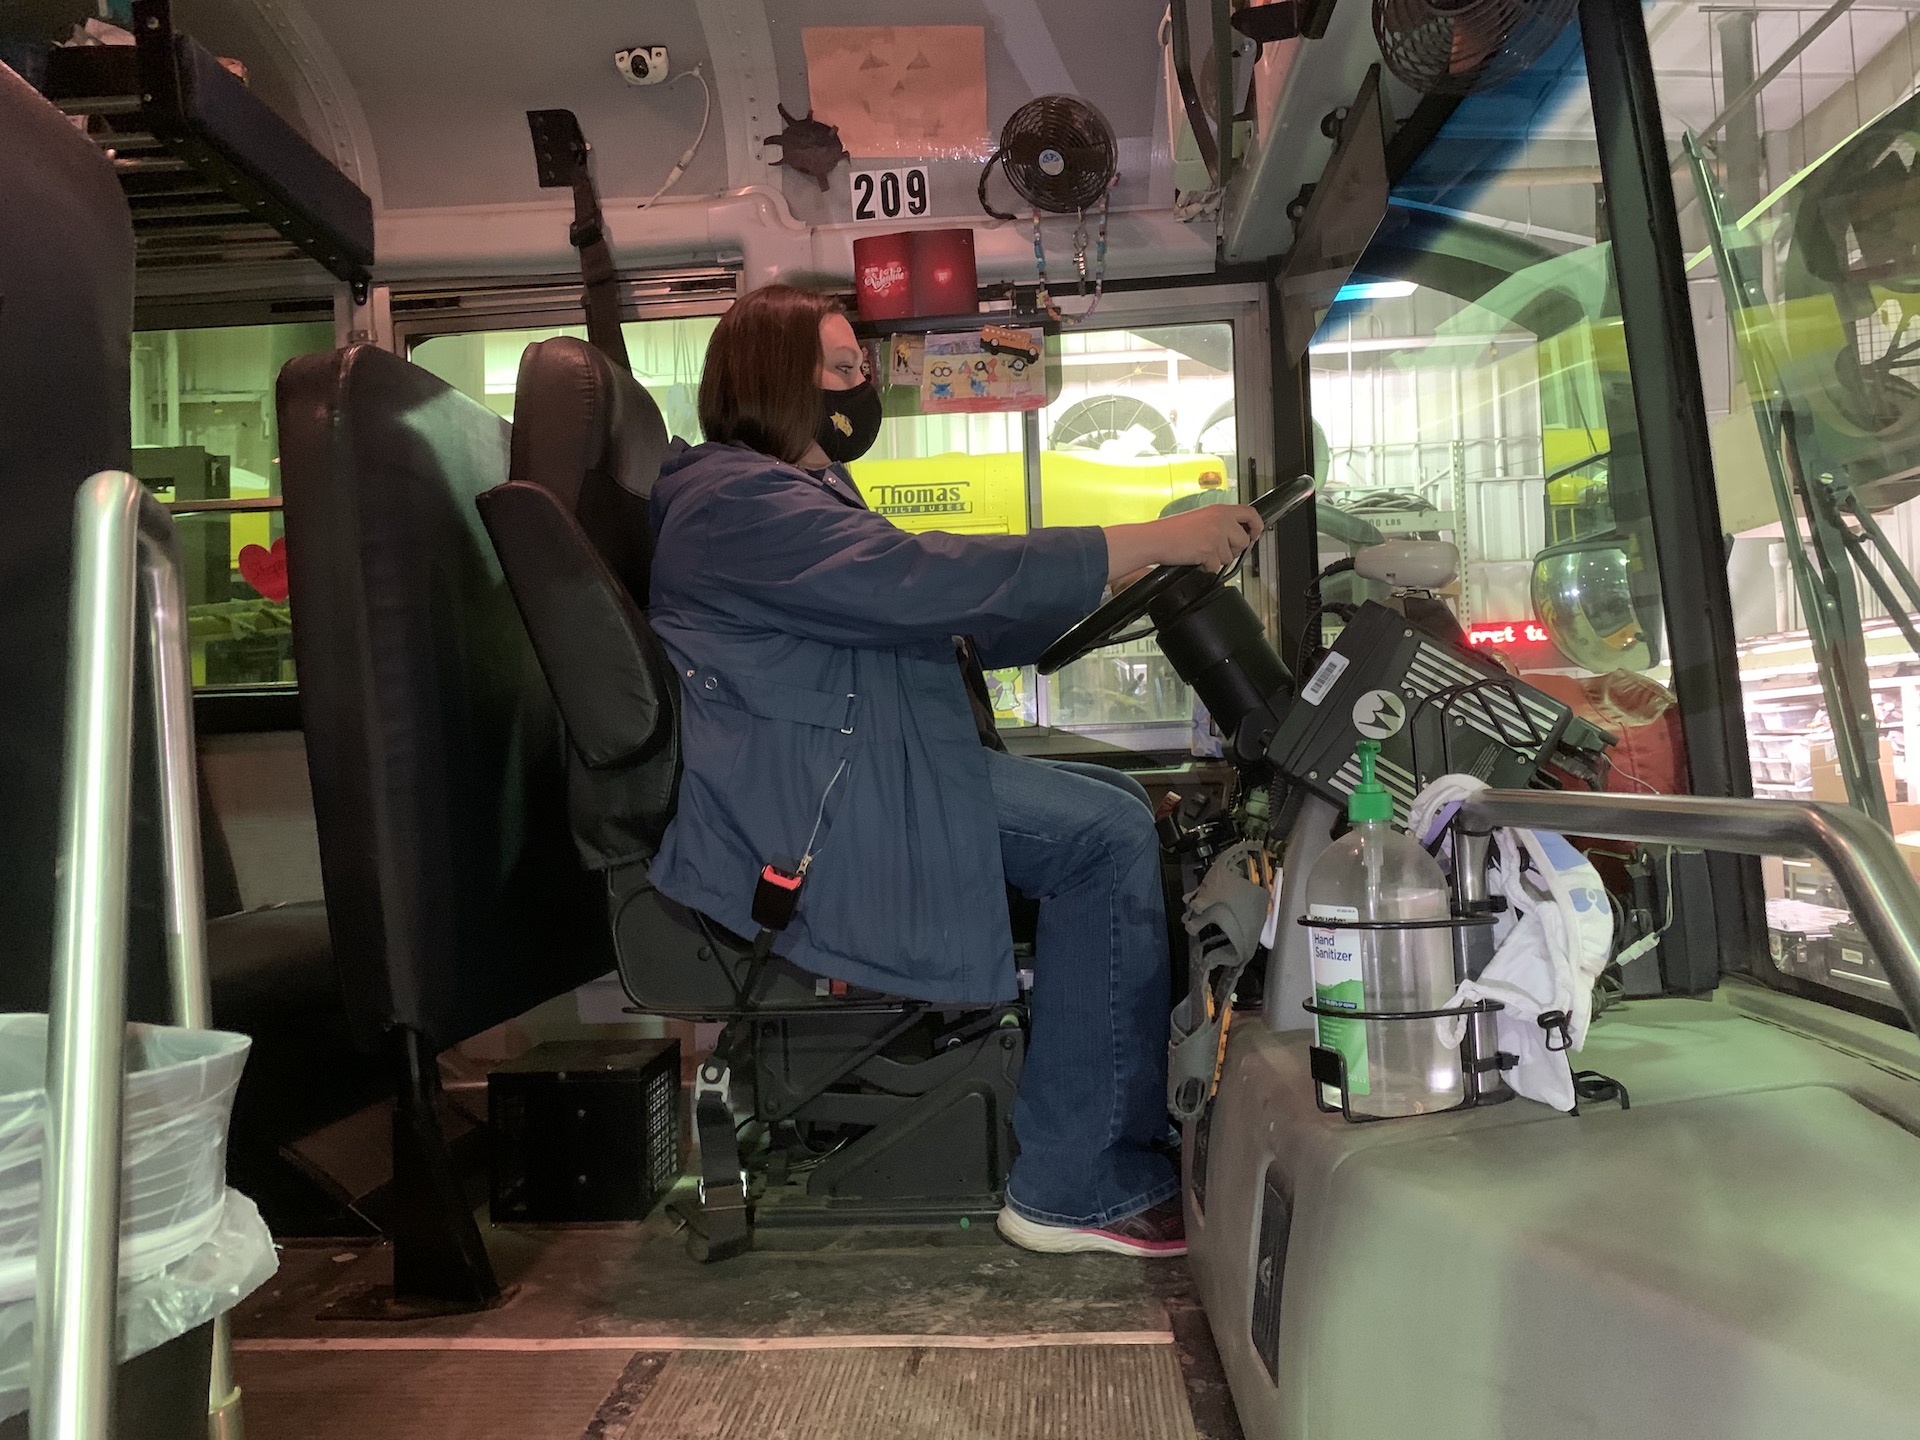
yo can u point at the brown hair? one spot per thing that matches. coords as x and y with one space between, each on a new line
761 385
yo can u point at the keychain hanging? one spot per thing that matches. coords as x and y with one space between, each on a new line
1045 294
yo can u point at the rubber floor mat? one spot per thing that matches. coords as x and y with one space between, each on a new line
410 1395
1121 1392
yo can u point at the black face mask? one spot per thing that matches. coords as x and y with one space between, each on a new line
849 422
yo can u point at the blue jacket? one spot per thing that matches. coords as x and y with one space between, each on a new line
820 699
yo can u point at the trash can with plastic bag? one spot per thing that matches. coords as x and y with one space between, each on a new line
190 1249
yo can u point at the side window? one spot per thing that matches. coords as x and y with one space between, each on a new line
1143 422
205 439
666 356
1793 137
1471 384
961 473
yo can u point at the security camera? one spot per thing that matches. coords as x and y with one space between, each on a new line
642 65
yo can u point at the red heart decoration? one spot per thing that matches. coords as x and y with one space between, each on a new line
266 569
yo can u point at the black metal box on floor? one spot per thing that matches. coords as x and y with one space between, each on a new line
585 1130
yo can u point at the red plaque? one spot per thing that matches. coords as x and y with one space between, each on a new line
943 276
883 275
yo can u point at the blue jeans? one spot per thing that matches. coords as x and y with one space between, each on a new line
1080 840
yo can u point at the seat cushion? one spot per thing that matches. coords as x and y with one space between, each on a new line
274 980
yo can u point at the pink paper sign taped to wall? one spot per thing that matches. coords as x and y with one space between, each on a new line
959 376
901 90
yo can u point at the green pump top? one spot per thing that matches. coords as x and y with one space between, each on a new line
1370 800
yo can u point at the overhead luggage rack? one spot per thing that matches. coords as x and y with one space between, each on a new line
212 174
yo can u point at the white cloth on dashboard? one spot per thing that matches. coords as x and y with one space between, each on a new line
1550 946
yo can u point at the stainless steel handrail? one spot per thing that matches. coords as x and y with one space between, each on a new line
1866 865
124 551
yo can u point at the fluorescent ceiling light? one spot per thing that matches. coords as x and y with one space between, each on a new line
1377 290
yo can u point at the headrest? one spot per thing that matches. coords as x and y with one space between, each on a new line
588 431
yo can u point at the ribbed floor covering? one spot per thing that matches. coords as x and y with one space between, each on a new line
406 1395
1076 1392
1068 1393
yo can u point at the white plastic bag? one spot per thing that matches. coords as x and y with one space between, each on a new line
179 1095
1550 946
190 1249
236 1259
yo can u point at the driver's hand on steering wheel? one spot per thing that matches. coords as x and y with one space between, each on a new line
1212 535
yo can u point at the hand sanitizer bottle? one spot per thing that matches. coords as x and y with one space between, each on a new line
1375 873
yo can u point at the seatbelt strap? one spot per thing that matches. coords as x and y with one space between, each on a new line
560 152
757 959
601 295
724 1226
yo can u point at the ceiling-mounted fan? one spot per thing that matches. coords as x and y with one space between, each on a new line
1060 154
1455 47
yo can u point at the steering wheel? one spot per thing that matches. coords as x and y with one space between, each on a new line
1132 603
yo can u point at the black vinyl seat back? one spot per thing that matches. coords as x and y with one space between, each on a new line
572 532
66 321
453 892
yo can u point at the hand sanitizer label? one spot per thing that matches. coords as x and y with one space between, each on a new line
1336 985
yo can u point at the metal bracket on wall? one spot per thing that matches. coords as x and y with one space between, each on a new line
363 317
745 81
1203 136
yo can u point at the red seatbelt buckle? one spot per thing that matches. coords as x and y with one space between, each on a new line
776 897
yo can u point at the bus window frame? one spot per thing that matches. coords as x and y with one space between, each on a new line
1657 325
243 709
1245 308
1241 305
288 306
427 311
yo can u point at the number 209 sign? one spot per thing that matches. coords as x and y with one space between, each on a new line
889 194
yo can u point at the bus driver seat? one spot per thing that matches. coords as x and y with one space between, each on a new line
890 1108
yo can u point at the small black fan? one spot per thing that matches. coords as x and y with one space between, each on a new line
1058 152
1454 47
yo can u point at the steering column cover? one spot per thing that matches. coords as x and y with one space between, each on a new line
1217 646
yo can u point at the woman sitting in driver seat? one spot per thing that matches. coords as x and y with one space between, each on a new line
826 730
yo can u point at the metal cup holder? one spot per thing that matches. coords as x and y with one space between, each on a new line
1329 1067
